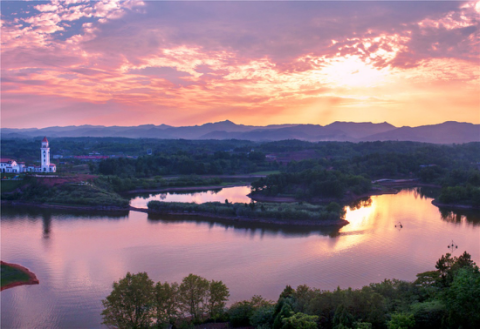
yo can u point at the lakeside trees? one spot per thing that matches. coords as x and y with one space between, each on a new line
312 183
448 297
136 302
281 211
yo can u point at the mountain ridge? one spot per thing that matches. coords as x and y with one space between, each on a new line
444 133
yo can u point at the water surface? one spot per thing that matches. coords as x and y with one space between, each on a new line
77 256
233 194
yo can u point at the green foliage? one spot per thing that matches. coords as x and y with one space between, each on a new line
10 274
300 321
312 183
428 314
183 163
342 318
241 313
362 325
193 296
130 304
447 297
447 267
284 211
218 297
287 292
262 317
136 302
402 321
166 303
74 193
462 298
283 310
123 184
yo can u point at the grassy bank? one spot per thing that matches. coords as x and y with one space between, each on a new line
13 275
68 192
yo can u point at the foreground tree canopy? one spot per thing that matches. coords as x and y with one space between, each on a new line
448 297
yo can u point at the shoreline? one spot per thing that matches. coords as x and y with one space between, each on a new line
66 207
454 206
346 199
32 277
325 223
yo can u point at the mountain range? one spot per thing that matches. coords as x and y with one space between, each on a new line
444 133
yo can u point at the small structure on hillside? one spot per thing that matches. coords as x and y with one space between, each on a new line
8 165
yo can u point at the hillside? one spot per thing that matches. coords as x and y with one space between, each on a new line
445 133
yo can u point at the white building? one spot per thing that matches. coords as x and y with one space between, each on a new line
8 165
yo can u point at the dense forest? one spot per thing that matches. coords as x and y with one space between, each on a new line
308 170
312 183
373 159
447 297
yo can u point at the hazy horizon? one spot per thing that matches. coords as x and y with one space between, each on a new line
240 124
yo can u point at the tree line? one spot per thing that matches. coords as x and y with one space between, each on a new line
286 211
312 183
182 163
448 297
137 302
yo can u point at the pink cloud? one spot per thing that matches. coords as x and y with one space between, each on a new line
178 61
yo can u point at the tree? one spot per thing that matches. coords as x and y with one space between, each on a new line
166 303
193 295
462 298
342 318
129 305
262 318
300 321
402 321
218 297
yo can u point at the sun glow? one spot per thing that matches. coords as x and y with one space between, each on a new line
351 71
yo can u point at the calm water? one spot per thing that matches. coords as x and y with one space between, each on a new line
77 256
234 195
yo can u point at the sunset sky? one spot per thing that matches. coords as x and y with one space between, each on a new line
179 63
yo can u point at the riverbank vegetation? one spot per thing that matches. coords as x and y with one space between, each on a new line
295 212
14 275
308 170
94 191
137 302
461 187
74 193
312 183
122 184
447 297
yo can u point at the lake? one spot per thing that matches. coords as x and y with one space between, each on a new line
77 255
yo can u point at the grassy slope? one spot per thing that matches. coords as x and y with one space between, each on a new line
10 185
10 275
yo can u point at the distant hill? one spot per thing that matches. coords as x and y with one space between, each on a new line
445 133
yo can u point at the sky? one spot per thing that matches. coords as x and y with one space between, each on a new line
180 63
